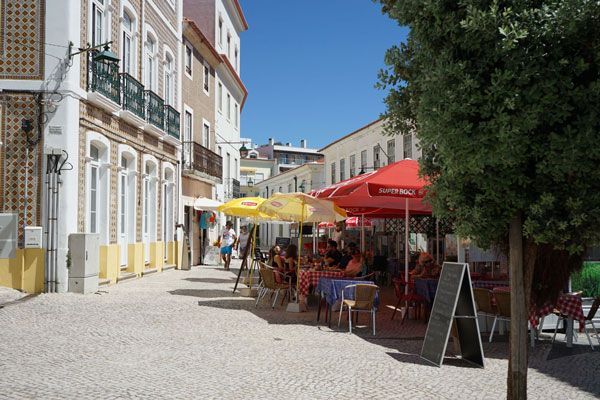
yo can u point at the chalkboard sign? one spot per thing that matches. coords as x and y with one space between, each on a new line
282 242
453 303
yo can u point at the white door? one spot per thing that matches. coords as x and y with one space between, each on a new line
146 221
123 215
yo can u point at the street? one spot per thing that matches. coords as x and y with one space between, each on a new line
183 334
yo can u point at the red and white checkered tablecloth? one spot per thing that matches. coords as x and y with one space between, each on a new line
311 278
567 304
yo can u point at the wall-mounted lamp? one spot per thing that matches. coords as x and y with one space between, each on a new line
105 56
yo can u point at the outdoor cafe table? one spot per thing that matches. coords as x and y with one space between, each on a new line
310 278
331 289
426 287
567 304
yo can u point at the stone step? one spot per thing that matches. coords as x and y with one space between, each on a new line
125 276
166 267
103 282
148 271
123 267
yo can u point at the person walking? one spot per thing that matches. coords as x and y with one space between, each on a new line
228 238
242 241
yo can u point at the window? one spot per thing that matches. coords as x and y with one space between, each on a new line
94 184
188 121
376 162
150 63
188 60
169 93
127 45
220 31
259 177
228 46
363 160
220 97
352 165
98 22
206 134
206 78
391 150
342 169
228 106
332 172
407 145
236 61
235 115
289 188
123 197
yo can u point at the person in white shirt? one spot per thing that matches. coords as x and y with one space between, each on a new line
228 239
242 241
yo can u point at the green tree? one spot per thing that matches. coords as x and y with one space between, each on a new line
504 97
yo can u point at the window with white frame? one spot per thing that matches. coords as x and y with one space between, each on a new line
188 126
151 67
188 60
97 189
169 91
127 45
228 46
206 135
236 115
220 96
391 150
352 165
407 145
236 61
220 31
206 78
94 185
363 160
98 22
289 188
342 169
228 106
376 161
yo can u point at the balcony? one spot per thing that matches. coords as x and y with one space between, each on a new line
133 100
155 112
235 188
172 122
103 84
202 162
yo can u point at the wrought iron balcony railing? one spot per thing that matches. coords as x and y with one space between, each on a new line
104 79
155 109
198 158
172 122
133 95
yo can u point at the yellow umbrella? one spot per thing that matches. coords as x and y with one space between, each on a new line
246 207
300 207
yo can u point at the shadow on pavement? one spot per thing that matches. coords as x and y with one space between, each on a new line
206 293
210 280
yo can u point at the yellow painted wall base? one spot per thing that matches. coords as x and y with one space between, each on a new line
109 262
157 255
24 272
179 254
171 253
135 258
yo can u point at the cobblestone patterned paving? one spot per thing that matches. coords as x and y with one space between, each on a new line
183 334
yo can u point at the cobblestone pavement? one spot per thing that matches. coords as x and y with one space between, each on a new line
183 334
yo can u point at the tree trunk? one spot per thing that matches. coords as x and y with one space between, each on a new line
517 363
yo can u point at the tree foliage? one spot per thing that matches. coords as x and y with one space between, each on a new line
505 100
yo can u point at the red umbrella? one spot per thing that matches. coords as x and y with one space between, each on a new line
354 222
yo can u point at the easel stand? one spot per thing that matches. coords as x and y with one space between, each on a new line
247 292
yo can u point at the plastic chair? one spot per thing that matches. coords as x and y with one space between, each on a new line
364 301
410 298
588 320
502 309
268 284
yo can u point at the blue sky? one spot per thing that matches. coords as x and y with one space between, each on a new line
310 67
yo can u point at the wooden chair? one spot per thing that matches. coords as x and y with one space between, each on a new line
483 302
502 309
588 320
364 301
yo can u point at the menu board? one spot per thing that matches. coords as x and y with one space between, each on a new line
282 242
453 303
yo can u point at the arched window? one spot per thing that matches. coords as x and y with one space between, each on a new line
97 185
128 43
151 66
99 17
149 203
168 203
126 199
169 82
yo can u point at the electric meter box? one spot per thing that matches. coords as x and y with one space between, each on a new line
84 249
8 235
33 237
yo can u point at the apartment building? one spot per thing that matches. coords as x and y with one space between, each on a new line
91 98
366 149
287 156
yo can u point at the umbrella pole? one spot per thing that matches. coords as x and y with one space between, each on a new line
437 241
362 233
406 227
299 254
252 254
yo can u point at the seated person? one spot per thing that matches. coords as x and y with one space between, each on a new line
426 267
333 256
291 258
347 255
276 261
355 265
